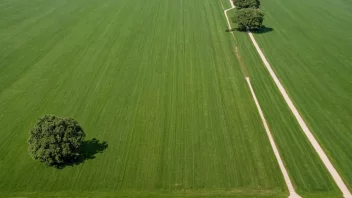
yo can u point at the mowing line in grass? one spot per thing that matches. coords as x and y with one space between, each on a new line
346 193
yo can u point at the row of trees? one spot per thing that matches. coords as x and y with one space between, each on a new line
248 16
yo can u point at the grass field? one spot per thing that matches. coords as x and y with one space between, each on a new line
310 50
158 80
161 83
308 174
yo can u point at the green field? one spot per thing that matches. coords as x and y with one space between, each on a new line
308 174
164 85
158 80
310 50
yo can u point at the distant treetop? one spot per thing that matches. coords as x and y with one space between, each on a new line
246 3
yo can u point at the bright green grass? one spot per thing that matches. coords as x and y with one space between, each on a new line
310 50
307 172
158 80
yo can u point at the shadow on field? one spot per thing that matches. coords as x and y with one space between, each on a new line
89 149
262 30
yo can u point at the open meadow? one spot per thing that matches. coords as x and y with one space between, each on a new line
162 84
157 80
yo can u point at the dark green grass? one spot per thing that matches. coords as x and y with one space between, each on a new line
157 80
310 50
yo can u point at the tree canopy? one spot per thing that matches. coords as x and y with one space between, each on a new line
246 3
54 140
248 18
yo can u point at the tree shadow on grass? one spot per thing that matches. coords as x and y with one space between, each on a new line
88 150
262 30
91 147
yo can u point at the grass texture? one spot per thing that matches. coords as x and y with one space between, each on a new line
308 174
309 48
157 80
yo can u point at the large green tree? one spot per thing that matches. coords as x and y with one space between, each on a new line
248 18
246 3
54 140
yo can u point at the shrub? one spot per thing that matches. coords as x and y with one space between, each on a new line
248 18
54 140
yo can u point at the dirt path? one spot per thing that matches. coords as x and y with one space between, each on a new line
335 175
232 4
227 18
287 179
292 191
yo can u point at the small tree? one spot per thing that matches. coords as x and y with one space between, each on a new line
248 18
54 140
246 3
